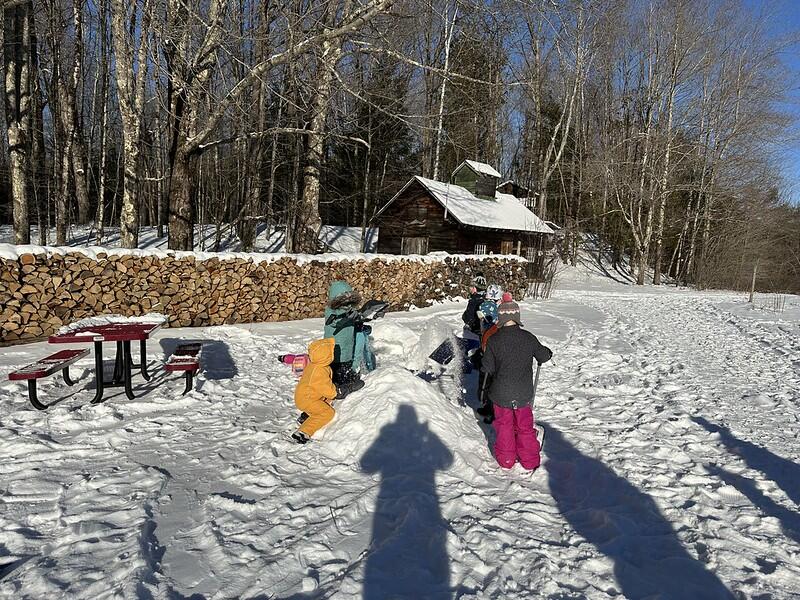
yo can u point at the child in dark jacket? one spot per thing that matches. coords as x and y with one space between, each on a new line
508 362
490 314
472 321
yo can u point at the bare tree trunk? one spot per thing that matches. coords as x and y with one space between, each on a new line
367 163
664 192
78 147
273 169
306 233
131 77
38 150
191 79
103 111
449 28
17 31
181 214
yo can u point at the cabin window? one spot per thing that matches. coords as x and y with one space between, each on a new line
531 253
480 249
414 245
507 247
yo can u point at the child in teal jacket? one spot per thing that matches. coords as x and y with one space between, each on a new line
342 300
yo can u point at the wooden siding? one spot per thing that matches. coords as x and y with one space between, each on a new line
513 188
479 184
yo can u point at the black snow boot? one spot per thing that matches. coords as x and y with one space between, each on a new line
300 437
485 410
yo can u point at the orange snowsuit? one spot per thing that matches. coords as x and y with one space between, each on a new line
315 390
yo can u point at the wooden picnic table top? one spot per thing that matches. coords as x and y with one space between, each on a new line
108 332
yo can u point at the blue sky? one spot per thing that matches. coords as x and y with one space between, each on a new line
785 23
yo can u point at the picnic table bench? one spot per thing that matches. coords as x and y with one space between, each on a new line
60 361
121 334
186 357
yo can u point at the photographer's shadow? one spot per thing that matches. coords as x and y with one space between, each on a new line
407 556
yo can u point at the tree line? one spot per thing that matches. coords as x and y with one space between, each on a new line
654 127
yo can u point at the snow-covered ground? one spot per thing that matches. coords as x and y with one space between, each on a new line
337 239
671 470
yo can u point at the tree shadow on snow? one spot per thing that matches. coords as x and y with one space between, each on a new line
626 525
407 556
785 473
592 262
216 362
789 519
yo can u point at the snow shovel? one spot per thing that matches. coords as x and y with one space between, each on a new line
487 418
540 430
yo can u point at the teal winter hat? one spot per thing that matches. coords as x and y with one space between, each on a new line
339 288
341 294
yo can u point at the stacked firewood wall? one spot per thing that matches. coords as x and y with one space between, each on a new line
39 293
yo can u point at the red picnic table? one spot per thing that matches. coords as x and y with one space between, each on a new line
122 334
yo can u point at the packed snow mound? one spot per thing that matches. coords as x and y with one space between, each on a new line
398 416
391 341
395 343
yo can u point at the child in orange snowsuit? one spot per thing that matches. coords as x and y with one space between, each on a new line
315 390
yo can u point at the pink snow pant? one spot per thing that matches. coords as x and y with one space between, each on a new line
516 438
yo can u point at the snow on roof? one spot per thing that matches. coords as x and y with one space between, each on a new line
553 226
482 168
505 212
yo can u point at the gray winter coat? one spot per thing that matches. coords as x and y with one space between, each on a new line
508 362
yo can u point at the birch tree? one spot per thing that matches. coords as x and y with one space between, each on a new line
130 27
18 26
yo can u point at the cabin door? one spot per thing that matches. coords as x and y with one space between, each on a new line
507 247
414 245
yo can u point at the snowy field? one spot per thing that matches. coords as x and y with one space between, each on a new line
671 467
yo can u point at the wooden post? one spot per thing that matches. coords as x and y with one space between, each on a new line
753 283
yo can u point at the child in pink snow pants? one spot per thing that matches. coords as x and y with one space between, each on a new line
516 438
508 363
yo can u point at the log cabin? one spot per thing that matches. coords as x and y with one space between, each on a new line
467 215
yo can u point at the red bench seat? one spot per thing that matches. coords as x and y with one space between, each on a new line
60 361
49 365
186 358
